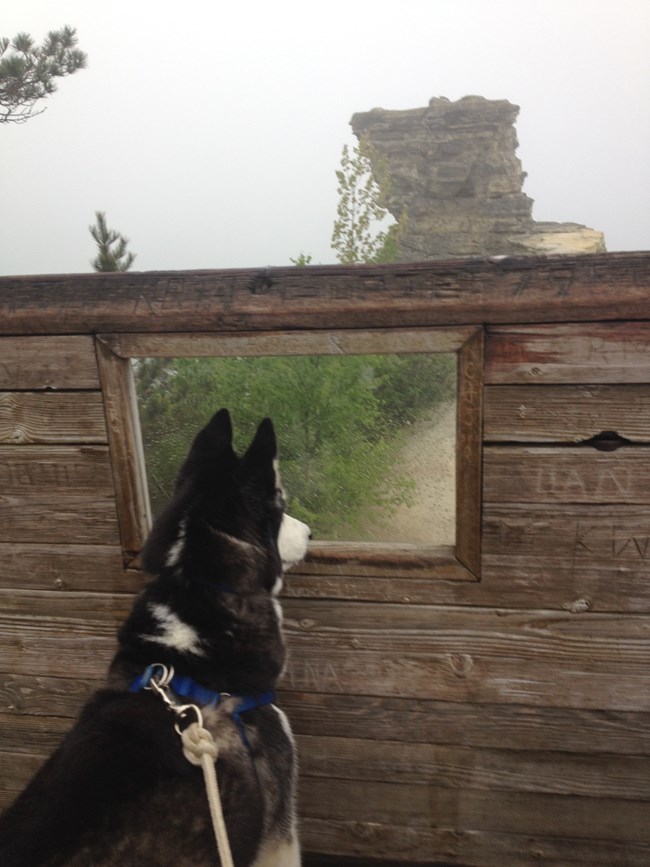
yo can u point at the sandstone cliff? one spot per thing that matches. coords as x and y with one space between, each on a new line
453 165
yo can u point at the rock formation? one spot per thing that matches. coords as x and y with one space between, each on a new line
453 165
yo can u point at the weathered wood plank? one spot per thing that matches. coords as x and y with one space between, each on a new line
582 558
31 735
570 585
539 289
412 720
394 845
65 469
46 362
127 457
539 658
558 773
517 474
549 659
44 417
613 352
374 760
66 567
425 807
516 581
566 413
33 695
332 342
28 650
77 518
394 560
468 453
461 676
72 610
594 533
510 727
56 494
357 716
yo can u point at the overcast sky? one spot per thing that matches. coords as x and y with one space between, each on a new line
209 132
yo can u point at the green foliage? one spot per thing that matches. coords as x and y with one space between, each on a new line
112 253
410 385
28 71
331 423
301 259
363 185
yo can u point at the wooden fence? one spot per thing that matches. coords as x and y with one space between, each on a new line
491 708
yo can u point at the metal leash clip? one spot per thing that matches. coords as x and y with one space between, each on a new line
160 685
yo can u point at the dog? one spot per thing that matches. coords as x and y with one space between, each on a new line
119 792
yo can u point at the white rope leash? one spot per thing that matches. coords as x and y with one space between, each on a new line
200 749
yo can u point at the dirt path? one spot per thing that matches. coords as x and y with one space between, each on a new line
428 457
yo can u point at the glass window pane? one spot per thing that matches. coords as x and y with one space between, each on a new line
367 442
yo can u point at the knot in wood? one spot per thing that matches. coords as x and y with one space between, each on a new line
306 624
460 663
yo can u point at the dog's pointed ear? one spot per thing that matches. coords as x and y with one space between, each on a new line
217 434
264 447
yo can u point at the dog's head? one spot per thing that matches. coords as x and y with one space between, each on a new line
227 514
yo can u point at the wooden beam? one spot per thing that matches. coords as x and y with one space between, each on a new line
333 342
125 445
455 292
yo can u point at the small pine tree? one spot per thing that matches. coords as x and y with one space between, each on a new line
27 72
362 187
301 260
112 255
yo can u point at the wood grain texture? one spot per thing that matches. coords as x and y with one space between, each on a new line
454 767
510 727
43 697
508 582
377 560
389 845
126 450
62 567
468 453
51 362
64 469
611 352
454 292
424 808
51 418
56 494
540 658
566 413
31 735
46 705
77 518
517 474
373 760
331 342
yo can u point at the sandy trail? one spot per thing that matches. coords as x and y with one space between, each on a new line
428 456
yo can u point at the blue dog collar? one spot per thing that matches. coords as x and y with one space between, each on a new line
190 689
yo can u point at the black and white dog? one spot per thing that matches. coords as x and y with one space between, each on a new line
119 792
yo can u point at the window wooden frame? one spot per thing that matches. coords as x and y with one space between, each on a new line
460 562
